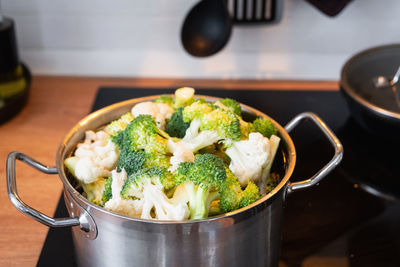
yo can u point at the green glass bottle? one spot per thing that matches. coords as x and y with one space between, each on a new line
13 82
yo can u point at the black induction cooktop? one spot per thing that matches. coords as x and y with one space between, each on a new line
352 218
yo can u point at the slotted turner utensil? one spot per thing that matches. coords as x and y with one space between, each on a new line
255 11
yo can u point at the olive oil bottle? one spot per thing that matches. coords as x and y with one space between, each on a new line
13 75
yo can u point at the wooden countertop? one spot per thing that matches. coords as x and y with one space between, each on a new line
54 106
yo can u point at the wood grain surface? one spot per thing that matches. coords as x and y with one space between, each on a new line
55 104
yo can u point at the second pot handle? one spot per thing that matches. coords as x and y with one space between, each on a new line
316 178
83 219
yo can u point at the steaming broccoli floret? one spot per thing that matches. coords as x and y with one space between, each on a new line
142 146
265 127
233 197
176 126
165 99
224 122
196 110
133 161
119 125
213 118
107 193
202 179
250 195
133 186
143 134
233 105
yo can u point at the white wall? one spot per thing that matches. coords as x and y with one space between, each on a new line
142 39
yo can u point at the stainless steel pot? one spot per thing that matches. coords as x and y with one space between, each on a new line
246 237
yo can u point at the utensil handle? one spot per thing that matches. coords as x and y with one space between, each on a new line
316 178
24 208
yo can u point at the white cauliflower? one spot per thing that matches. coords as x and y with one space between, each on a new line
143 197
164 208
274 141
193 139
180 155
97 156
183 96
250 157
117 204
159 111
191 142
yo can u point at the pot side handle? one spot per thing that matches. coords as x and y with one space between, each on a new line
24 208
316 178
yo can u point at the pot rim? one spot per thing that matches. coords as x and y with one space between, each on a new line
80 126
345 86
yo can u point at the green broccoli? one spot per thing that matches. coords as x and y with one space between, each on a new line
107 193
265 127
250 195
133 161
133 186
202 178
165 99
233 197
183 97
196 110
142 146
233 105
224 122
142 134
119 125
176 126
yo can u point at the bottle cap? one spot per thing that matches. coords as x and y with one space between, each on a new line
8 46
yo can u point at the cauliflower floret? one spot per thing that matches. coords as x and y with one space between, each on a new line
193 139
191 142
249 157
159 111
97 155
128 207
179 156
164 209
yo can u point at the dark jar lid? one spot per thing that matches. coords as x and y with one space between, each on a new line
8 46
360 73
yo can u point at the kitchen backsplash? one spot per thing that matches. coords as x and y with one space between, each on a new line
142 39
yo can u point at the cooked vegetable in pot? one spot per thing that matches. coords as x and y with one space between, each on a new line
177 158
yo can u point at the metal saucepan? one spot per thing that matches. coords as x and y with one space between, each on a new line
372 93
250 236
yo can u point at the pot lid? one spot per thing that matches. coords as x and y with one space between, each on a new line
363 74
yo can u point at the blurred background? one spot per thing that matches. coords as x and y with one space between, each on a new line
142 39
